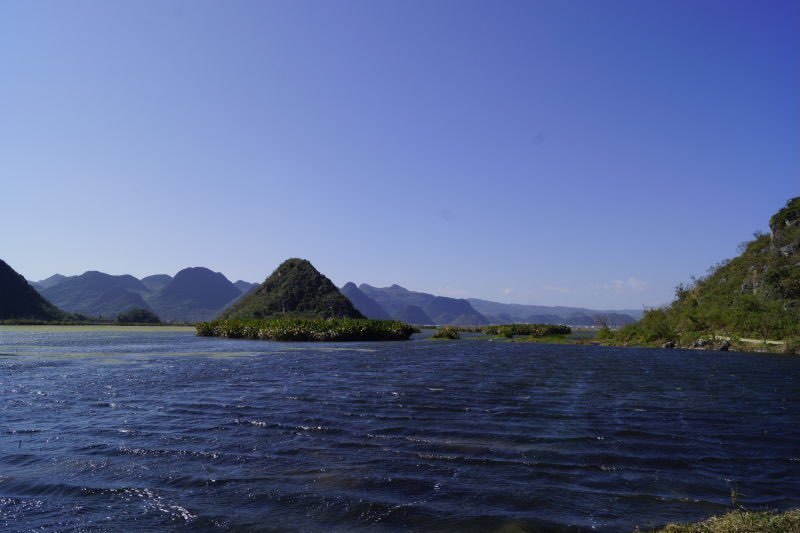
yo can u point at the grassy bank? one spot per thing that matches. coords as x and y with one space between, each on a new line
307 329
448 333
742 522
643 335
751 301
87 322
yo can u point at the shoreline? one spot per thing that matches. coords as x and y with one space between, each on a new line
739 520
95 327
578 337
594 337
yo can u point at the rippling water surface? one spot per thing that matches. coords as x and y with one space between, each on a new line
125 429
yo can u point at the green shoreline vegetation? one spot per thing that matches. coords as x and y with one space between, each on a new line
81 321
528 330
748 303
740 521
307 329
87 322
751 302
107 327
448 333
555 333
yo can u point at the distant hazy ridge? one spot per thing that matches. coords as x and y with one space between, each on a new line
199 294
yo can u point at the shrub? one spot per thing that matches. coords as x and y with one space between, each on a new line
532 330
447 332
792 345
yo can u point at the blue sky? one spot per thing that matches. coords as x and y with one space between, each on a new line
591 153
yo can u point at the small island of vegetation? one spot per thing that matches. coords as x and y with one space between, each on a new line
138 316
297 303
516 332
447 332
527 330
307 329
295 289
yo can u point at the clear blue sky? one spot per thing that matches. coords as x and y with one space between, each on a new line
590 153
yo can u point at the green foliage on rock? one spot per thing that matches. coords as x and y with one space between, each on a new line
138 316
447 332
755 295
295 289
307 329
789 216
742 522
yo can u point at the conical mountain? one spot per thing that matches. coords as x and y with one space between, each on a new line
18 300
295 289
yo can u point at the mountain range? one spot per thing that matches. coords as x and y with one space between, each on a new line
97 294
756 294
422 308
193 294
199 294
500 313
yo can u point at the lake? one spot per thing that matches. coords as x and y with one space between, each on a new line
152 428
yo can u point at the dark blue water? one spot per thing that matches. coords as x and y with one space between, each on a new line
136 430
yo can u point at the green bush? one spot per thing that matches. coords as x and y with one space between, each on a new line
531 330
739 521
447 332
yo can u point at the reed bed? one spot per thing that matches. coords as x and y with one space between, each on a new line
307 329
531 330
447 332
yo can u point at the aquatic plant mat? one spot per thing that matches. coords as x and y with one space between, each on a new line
307 329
